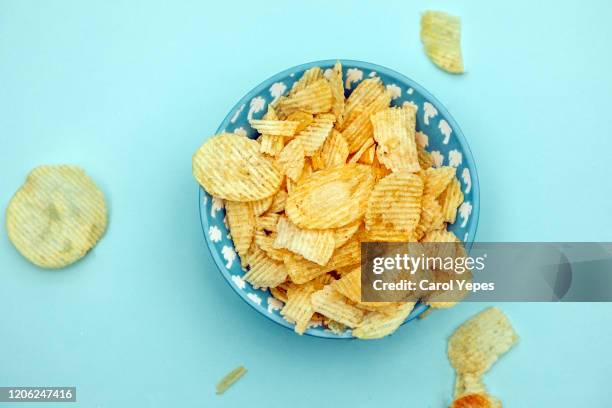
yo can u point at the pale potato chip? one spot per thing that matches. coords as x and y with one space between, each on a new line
309 76
376 325
230 167
230 379
437 179
316 97
56 216
261 206
241 222
366 145
267 221
331 198
337 88
431 217
333 153
266 243
333 305
278 204
441 37
298 308
343 234
468 384
394 207
368 156
363 95
477 344
425 159
304 119
283 128
450 199
291 159
394 130
306 173
264 271
314 245
360 129
325 279
301 270
335 327
349 285
271 145
313 137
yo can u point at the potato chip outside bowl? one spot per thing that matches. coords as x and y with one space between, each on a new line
446 143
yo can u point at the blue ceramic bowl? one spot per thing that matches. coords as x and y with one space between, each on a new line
446 144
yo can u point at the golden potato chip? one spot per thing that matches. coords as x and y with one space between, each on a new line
335 327
376 325
450 199
476 400
333 153
441 37
425 159
269 144
360 129
283 128
306 173
308 77
363 95
265 242
324 279
298 308
278 204
366 145
230 379
261 206
314 245
330 198
279 293
313 137
437 179
337 88
316 97
267 221
304 119
477 344
343 234
394 207
56 216
301 270
349 285
230 167
241 222
431 217
368 156
291 159
394 130
379 170
333 305
264 271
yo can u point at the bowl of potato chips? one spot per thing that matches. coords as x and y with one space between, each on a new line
314 161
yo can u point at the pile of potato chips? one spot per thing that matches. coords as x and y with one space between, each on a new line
326 173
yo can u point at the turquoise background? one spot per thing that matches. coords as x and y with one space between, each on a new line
129 89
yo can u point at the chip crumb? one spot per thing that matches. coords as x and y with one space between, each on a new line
229 379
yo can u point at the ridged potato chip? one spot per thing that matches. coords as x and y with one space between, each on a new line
349 285
279 293
333 305
450 199
304 119
366 145
343 234
301 270
316 97
437 179
265 242
314 245
376 325
298 308
333 153
368 156
306 173
264 271
394 207
230 167
267 221
269 144
477 344
278 204
261 206
291 159
363 95
431 217
441 37
337 88
309 76
56 216
283 128
425 159
241 222
360 129
331 198
313 137
394 130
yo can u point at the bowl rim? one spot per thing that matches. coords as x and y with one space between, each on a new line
458 133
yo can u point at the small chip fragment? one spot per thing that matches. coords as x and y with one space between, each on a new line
230 379
450 199
441 37
241 222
